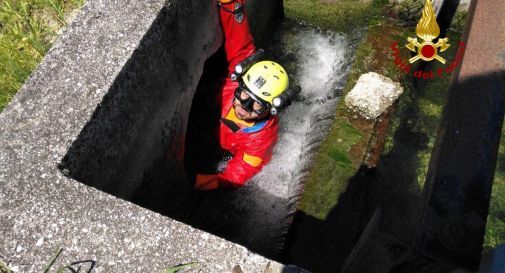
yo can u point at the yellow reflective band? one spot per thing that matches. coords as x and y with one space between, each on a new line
252 160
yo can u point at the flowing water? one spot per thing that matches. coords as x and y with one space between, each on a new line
321 64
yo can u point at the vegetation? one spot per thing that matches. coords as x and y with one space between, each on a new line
430 104
343 150
65 268
332 169
4 268
409 12
427 104
175 269
27 30
338 15
495 227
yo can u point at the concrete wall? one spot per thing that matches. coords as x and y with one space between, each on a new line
138 128
111 98
264 16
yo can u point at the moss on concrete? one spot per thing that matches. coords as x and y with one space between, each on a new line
430 102
334 166
336 15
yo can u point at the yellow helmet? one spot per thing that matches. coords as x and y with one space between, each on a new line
266 80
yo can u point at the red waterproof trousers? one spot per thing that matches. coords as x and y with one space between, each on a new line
251 147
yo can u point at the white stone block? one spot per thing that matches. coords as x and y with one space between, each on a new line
372 95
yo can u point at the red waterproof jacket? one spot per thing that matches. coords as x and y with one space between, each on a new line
251 146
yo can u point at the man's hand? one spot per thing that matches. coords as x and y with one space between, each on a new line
206 182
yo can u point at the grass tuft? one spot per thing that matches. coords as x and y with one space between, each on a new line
179 267
495 226
4 268
27 30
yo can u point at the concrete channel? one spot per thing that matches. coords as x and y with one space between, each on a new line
93 150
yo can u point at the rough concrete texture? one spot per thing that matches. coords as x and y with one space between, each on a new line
372 95
103 66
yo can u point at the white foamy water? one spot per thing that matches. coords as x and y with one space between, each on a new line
322 67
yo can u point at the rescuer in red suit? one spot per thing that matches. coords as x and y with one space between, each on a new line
248 127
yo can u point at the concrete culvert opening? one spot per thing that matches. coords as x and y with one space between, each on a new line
141 142
133 147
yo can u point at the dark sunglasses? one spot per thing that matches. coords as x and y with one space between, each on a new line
249 102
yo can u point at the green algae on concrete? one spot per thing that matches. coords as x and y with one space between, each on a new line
425 106
333 167
336 15
430 104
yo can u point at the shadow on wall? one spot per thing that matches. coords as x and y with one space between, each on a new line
467 150
462 166
136 134
264 18
203 151
325 245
